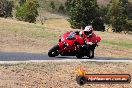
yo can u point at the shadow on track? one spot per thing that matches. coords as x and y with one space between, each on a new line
23 56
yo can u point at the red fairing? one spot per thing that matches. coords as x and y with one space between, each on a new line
68 39
80 40
60 44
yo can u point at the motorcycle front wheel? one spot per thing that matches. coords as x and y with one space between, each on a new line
53 51
79 56
91 54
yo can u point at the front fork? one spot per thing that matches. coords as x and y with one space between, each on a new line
85 49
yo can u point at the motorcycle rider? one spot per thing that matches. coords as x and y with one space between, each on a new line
88 35
90 41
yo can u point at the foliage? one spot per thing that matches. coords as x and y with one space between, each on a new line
28 12
98 24
21 2
128 26
6 8
129 10
52 5
117 15
83 13
103 11
68 5
61 9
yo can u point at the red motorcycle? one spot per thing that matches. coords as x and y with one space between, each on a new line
71 44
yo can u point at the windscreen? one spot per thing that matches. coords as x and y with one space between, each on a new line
71 36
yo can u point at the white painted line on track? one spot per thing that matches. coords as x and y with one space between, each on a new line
65 60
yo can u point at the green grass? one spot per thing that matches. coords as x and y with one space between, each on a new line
30 30
123 43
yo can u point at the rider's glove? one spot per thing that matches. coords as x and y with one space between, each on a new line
90 43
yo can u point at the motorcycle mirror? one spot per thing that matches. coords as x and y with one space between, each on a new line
98 38
59 40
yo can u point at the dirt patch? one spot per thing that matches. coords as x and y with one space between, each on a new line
58 74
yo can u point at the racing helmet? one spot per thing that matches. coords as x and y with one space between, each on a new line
88 30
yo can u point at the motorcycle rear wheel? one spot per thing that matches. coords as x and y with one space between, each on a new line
53 51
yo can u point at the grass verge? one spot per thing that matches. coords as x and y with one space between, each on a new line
126 44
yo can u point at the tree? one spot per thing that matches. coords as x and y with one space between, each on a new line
52 5
21 2
28 12
129 10
98 24
68 5
128 26
117 15
61 9
83 12
6 8
103 11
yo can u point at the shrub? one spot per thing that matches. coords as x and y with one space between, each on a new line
6 8
61 9
28 11
83 12
117 15
52 6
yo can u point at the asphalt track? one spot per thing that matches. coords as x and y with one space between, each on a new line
23 57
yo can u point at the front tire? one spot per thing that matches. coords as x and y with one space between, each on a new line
53 51
79 56
79 53
91 54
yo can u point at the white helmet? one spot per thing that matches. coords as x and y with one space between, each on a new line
88 30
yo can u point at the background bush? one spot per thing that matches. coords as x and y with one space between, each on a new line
117 15
82 13
6 8
28 11
61 9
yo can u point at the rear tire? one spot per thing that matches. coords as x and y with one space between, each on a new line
53 51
